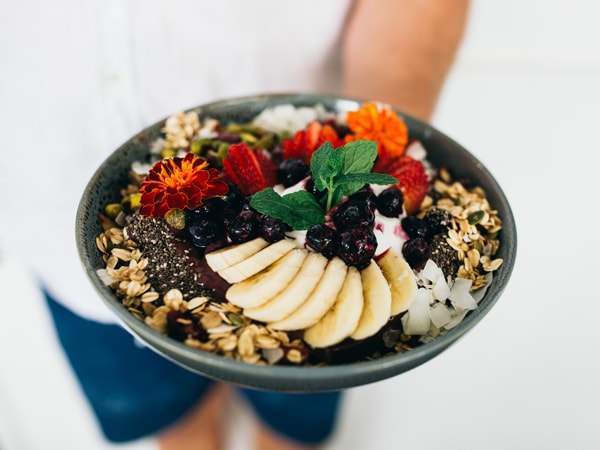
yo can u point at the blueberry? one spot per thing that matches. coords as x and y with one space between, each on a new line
232 203
416 252
323 239
415 227
390 201
357 247
352 214
202 212
244 227
291 171
272 229
310 187
367 196
203 232
209 209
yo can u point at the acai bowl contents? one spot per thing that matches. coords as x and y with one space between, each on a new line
301 237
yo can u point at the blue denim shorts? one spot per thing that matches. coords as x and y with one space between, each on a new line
134 392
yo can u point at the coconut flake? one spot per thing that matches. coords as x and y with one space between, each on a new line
289 119
431 272
460 295
416 150
440 315
441 290
416 321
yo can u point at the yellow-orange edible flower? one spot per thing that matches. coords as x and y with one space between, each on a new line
380 124
179 183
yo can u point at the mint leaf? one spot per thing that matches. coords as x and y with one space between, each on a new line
359 156
300 210
325 164
352 182
365 178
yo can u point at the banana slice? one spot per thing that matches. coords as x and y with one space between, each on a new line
343 317
257 262
228 256
266 284
320 300
401 279
378 302
295 294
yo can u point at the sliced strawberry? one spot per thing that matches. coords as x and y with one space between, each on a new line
268 168
412 181
305 142
313 134
229 173
292 147
243 167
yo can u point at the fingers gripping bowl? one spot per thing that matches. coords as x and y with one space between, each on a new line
217 326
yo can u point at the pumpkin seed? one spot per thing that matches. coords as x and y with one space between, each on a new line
476 217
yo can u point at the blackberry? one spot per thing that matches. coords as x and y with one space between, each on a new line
352 214
415 227
291 171
416 252
444 255
437 220
323 239
272 229
244 227
390 201
357 247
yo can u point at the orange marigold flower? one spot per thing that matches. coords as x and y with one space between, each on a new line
179 183
380 124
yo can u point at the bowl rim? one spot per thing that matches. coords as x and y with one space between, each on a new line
300 378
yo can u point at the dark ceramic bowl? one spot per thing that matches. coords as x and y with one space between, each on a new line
104 188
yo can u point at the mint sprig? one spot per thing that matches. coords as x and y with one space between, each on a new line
344 171
300 210
337 172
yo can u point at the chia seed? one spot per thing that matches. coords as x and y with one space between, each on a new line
444 255
169 265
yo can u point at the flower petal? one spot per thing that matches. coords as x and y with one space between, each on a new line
179 183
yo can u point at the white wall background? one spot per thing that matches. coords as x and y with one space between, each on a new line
524 99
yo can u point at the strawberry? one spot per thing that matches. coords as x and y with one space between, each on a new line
305 142
268 168
412 181
250 169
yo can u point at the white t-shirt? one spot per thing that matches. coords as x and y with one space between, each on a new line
79 77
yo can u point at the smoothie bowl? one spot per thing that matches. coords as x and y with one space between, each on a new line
296 242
